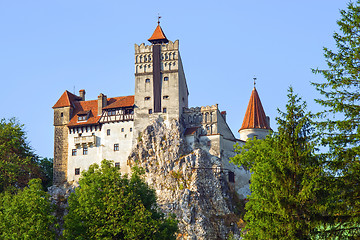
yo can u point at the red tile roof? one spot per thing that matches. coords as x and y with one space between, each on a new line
126 101
66 100
91 106
255 116
158 34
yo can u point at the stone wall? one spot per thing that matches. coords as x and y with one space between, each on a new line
60 154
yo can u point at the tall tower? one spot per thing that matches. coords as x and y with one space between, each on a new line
63 110
160 83
255 123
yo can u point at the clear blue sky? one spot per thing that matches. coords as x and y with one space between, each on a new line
47 47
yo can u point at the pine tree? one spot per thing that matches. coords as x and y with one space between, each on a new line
339 124
285 192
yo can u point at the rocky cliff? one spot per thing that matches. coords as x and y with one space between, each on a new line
187 183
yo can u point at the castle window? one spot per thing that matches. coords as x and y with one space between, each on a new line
130 129
164 110
116 147
125 136
85 151
183 99
166 97
82 118
73 152
62 114
147 80
77 171
150 111
122 129
166 79
108 132
147 98
117 165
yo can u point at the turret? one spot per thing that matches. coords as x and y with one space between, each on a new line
256 123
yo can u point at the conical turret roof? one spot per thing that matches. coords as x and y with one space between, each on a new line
255 116
158 36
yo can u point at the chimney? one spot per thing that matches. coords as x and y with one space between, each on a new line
102 102
223 113
82 94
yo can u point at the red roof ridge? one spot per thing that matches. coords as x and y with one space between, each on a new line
255 115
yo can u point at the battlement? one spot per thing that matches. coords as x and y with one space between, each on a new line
143 49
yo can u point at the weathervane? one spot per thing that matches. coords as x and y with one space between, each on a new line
254 81
159 18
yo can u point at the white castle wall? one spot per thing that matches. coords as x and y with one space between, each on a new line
102 149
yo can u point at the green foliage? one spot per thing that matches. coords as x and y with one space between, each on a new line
284 203
339 124
27 214
17 161
108 205
46 168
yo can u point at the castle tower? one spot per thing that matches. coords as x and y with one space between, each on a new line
63 110
160 84
255 123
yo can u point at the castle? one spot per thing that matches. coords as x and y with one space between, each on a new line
88 131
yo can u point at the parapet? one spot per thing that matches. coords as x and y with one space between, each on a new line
170 46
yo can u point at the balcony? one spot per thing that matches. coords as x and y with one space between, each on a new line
85 140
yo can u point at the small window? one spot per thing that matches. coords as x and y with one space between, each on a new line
79 134
73 152
166 97
62 114
116 147
82 118
117 165
130 129
166 79
77 171
183 99
85 151
93 134
150 111
108 132
147 80
147 98
125 135
122 129
164 110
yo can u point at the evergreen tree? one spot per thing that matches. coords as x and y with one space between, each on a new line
285 193
108 205
27 214
339 124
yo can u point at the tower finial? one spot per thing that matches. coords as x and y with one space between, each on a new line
159 18
254 81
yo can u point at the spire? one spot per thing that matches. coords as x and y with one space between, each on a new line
158 36
255 116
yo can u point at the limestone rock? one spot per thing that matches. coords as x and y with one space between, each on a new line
187 183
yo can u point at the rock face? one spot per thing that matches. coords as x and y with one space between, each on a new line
187 183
